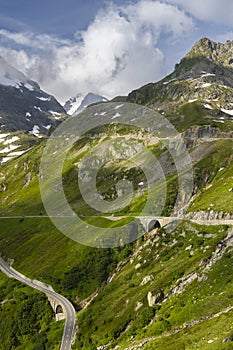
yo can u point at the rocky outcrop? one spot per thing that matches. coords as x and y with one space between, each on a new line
146 280
209 215
182 283
206 132
155 299
214 51
203 77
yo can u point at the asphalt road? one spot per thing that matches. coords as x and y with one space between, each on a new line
69 329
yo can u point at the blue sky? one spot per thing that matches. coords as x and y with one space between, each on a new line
53 16
107 47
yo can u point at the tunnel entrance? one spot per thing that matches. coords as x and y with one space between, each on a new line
152 225
59 309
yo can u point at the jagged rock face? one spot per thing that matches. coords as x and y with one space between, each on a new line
154 299
21 109
23 104
77 104
89 99
216 52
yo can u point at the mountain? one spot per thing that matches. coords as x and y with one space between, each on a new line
72 104
200 90
172 287
23 104
26 112
76 105
215 52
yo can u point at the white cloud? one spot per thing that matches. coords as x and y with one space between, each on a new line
224 37
118 51
215 11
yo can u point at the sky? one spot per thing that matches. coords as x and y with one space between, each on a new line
106 47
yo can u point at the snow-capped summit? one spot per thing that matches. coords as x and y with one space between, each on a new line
23 105
77 104
10 76
71 105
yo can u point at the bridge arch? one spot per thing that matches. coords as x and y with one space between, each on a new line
153 224
59 309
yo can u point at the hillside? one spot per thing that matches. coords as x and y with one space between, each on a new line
171 288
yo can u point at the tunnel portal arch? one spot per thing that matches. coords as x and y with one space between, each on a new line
153 224
59 309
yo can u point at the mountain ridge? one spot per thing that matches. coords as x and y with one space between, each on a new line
23 104
77 104
198 79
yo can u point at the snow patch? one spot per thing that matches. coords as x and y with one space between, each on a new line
208 75
169 81
206 85
3 136
219 121
191 101
117 115
39 109
16 154
224 86
13 139
103 113
227 111
9 148
55 113
207 106
44 98
119 106
5 159
28 114
35 131
47 127
29 87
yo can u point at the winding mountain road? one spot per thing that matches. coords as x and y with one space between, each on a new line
69 329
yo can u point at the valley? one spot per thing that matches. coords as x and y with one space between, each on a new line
169 145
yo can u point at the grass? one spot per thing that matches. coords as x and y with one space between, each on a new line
213 175
107 322
40 251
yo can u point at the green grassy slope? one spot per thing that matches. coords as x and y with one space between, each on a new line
113 317
40 251
214 179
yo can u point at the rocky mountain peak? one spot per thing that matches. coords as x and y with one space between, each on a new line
10 76
201 86
215 51
77 104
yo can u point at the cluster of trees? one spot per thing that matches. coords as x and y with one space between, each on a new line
24 317
90 273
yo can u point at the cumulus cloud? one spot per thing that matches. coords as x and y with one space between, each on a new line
116 53
217 11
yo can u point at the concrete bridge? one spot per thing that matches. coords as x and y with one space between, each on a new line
59 310
150 223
